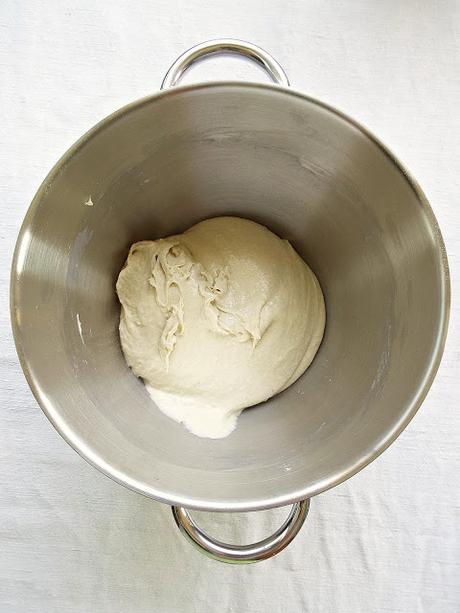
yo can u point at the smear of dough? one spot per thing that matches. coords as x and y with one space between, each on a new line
218 319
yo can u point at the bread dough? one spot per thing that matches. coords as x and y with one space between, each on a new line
218 319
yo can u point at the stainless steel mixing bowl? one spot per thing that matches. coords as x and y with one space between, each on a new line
313 176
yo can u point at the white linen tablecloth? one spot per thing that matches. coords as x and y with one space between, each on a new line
73 541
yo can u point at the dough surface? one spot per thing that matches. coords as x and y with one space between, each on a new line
218 319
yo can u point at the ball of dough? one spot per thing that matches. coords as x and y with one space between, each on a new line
218 319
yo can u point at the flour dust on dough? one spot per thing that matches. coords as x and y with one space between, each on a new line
218 319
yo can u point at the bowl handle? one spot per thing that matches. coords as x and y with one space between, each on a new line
243 554
224 46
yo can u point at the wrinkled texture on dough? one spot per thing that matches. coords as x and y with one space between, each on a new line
218 319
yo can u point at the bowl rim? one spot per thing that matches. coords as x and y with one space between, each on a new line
309 490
